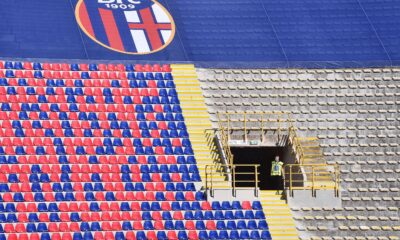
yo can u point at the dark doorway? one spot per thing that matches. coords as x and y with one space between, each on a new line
262 156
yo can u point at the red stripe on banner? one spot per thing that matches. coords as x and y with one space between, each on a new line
85 20
111 29
152 33
151 27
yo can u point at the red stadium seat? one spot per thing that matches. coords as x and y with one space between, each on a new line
137 225
192 235
165 206
178 216
189 225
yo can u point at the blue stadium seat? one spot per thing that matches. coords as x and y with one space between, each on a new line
231 225
203 235
8 65
208 215
234 234
266 235
189 215
127 226
167 215
262 225
223 234
161 235
88 236
95 226
148 225
119 236
169 225
221 225
213 235
179 225
257 205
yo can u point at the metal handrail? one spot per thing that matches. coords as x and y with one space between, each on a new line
280 118
225 143
281 122
231 169
312 177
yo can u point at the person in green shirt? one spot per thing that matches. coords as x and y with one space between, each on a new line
277 167
277 172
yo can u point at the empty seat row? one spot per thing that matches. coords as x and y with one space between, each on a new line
81 175
126 88
73 107
91 116
125 133
124 81
95 168
58 196
97 141
38 209
97 79
96 177
71 224
174 175
122 88
120 212
110 196
137 142
95 75
31 104
152 204
27 103
92 150
87 91
84 67
86 159
94 124
23 192
141 235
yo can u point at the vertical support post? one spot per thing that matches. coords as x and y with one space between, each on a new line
206 177
337 182
262 128
256 177
229 127
245 127
234 180
279 126
212 182
313 183
290 181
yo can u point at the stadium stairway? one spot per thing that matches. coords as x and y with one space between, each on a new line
197 120
278 214
312 151
313 154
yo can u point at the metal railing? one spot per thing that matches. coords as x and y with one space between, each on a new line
261 120
294 141
224 141
234 177
278 121
297 176
312 177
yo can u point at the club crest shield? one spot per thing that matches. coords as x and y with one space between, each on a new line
126 26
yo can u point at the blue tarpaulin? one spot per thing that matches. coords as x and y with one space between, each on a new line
223 33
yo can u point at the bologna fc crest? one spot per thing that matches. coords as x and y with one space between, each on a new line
126 26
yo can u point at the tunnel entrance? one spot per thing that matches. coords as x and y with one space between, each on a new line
264 157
